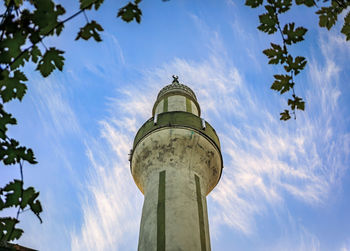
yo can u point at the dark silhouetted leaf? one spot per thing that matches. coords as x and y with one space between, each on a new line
281 5
12 153
90 30
276 54
46 16
346 27
10 47
16 2
308 3
12 87
52 59
296 66
293 35
35 205
29 198
2 203
328 16
20 60
13 193
87 4
28 194
268 22
36 53
5 119
282 83
8 231
296 102
130 12
253 3
285 115
34 37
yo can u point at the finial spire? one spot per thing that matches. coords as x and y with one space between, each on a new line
175 79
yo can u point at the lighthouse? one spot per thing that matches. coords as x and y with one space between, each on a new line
175 162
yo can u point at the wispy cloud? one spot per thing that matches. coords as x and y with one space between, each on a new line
265 160
345 246
111 206
294 237
53 106
270 159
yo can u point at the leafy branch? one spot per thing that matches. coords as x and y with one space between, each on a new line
19 27
279 54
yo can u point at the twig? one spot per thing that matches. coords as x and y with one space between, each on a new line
47 33
19 208
86 18
285 49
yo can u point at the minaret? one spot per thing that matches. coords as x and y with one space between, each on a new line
176 161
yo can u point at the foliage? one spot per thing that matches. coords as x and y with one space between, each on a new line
130 12
24 25
290 34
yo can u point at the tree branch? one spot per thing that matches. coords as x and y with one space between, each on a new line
47 33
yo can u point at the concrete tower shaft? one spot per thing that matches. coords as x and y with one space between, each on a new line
176 161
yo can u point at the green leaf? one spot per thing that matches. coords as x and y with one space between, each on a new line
130 12
20 60
296 66
281 5
282 83
10 47
34 37
35 206
328 16
30 198
346 27
17 3
285 115
308 3
276 54
8 230
2 203
90 30
12 87
36 53
253 3
27 195
268 23
25 22
5 119
87 4
13 195
46 15
293 35
52 59
12 153
296 102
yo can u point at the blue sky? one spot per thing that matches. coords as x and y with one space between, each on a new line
285 186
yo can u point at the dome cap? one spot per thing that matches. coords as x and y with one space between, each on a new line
176 87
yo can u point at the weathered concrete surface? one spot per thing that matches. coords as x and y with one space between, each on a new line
176 103
182 153
159 108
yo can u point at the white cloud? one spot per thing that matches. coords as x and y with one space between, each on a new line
53 106
346 245
294 237
111 206
264 163
265 159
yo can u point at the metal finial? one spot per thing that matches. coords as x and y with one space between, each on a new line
175 79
